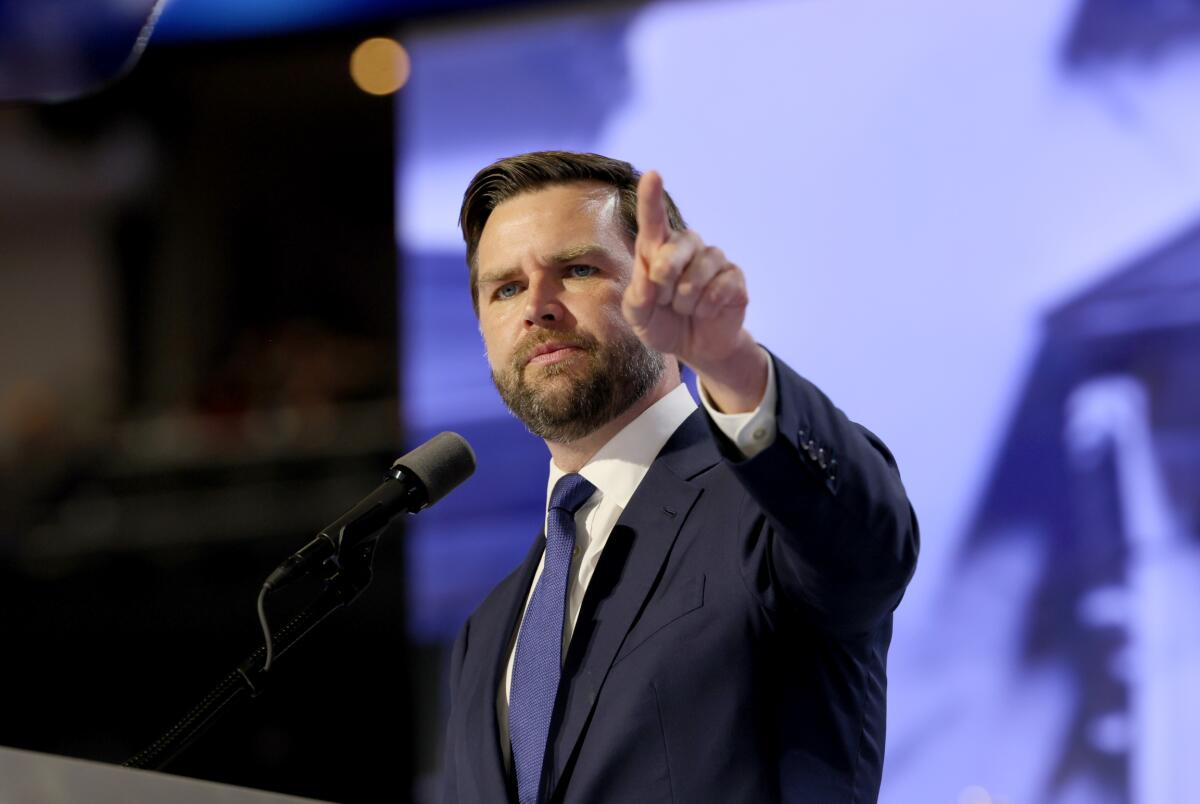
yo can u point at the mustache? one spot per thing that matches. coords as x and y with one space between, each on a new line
577 339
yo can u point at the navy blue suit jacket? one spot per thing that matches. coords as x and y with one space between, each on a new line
731 646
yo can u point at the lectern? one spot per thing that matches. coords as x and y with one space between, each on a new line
27 777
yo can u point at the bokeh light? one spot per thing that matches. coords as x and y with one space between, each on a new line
380 66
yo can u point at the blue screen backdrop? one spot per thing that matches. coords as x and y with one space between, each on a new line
977 227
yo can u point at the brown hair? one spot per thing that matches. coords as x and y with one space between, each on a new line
525 173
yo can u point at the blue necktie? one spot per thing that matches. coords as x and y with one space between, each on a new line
539 648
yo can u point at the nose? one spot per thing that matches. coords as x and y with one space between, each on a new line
542 303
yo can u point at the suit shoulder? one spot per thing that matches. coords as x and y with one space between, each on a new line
501 594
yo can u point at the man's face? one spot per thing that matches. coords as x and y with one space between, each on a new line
552 267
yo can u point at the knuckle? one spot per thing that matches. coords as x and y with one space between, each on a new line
659 265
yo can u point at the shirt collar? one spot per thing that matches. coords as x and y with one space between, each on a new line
619 466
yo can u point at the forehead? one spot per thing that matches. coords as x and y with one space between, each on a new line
550 220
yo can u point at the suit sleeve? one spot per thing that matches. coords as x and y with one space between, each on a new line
828 530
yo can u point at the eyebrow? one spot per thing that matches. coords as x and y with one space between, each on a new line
575 252
569 254
498 276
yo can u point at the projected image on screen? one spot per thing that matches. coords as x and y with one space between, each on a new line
978 236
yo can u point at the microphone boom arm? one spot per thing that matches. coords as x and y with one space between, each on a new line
353 576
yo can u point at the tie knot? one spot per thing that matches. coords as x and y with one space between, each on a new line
571 492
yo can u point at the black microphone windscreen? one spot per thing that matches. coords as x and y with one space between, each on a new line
441 464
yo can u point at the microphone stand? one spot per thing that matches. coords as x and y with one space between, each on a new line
353 575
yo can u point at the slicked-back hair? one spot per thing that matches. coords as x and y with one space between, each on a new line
525 173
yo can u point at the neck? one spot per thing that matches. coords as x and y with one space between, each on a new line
573 456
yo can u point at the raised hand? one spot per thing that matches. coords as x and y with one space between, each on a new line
687 299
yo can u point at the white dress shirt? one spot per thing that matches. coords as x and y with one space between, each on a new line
616 470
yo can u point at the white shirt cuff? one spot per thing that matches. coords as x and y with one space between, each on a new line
754 431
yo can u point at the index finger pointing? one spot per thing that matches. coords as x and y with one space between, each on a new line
651 210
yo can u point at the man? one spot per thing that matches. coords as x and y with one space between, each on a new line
707 614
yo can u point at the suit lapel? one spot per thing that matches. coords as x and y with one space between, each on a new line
494 628
625 577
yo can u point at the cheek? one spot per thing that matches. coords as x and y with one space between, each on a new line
601 307
497 346
495 358
612 319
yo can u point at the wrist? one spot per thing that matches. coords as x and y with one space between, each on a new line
736 383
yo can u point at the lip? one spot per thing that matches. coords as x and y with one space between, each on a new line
552 353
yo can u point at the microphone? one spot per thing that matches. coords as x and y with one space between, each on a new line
416 481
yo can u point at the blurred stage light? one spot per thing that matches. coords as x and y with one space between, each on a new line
380 66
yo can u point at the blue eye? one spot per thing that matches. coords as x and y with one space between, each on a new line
506 291
581 271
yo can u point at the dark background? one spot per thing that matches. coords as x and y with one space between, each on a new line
249 272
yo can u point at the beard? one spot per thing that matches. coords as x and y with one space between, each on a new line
596 386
